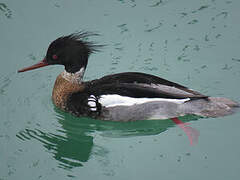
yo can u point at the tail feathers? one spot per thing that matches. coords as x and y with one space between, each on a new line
225 101
211 107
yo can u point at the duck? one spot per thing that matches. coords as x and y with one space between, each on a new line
126 96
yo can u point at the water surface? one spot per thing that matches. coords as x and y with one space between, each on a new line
194 43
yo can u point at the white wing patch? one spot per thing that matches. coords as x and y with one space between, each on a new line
117 100
92 103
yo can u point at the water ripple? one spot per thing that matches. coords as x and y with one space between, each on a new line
4 9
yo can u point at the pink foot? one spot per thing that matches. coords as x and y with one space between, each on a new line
192 133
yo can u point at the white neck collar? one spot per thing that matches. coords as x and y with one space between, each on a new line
74 77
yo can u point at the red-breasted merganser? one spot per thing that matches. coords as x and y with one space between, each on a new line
125 96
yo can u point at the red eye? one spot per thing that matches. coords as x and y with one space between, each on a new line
54 56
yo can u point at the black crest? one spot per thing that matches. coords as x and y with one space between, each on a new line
80 39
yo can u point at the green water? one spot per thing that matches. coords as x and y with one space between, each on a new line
194 43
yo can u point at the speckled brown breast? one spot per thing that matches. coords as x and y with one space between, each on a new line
62 89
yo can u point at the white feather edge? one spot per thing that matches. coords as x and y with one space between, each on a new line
117 100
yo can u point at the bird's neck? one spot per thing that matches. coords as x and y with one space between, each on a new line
66 84
75 78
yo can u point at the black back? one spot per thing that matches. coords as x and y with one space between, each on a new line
138 85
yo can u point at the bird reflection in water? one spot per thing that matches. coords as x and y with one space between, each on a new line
73 144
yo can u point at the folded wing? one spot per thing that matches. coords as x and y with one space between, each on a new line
140 85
